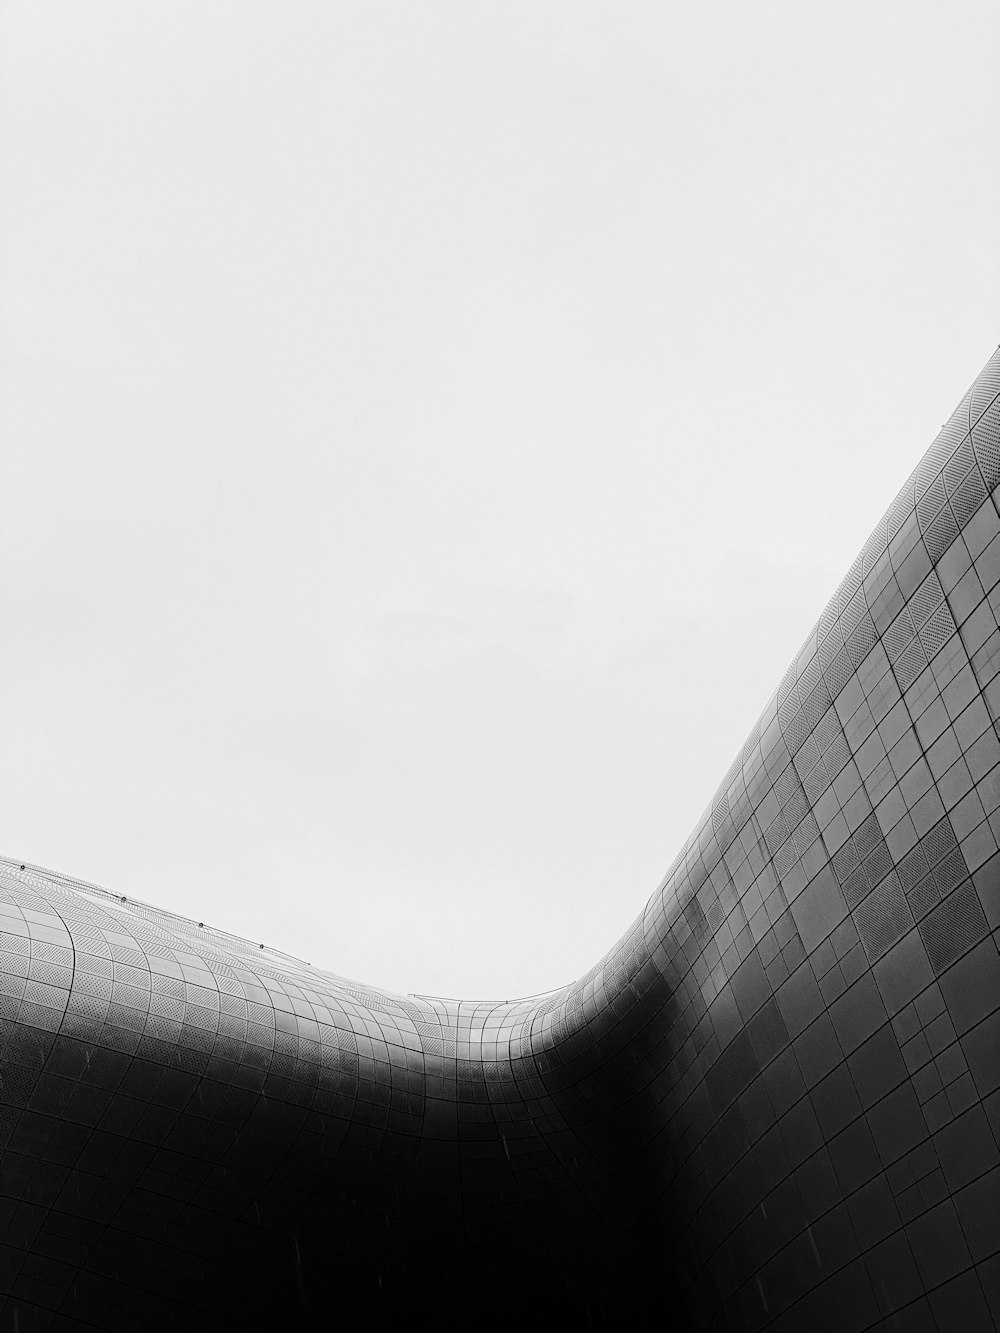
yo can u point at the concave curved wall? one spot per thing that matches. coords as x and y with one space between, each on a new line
774 1104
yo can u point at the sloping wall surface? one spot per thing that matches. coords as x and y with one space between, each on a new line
775 1104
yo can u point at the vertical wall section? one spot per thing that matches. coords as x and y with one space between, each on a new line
828 937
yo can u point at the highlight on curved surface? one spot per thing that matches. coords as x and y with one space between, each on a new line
774 1103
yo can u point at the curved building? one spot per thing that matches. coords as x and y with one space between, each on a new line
773 1105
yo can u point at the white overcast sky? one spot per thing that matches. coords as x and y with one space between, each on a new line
429 430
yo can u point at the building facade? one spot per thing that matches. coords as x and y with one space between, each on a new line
775 1104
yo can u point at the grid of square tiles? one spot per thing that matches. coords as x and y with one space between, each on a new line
831 929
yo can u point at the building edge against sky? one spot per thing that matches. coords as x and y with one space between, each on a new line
775 1103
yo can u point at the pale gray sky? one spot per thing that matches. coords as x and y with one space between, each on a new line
430 429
